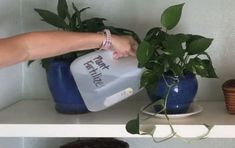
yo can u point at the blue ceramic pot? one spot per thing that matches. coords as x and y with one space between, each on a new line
63 88
181 94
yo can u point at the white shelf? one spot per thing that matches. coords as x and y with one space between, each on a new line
37 118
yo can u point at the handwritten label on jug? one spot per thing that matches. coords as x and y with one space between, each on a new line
95 68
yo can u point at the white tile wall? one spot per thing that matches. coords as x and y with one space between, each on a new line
35 84
11 85
10 17
11 77
11 143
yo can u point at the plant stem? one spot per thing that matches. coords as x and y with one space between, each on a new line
173 132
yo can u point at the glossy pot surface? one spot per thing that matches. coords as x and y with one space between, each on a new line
66 95
181 95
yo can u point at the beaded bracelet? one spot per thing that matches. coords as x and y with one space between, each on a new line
107 43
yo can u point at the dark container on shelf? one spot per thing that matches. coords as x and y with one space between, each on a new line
97 143
229 95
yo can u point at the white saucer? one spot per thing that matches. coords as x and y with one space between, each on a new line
193 109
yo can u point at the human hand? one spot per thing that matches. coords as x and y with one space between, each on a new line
124 46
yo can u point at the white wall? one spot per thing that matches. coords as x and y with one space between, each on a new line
35 85
11 77
212 18
11 143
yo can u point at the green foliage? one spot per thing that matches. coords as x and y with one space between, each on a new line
162 52
52 18
74 22
171 16
133 126
199 45
62 8
144 55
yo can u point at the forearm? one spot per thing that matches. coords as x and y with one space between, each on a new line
47 44
12 51
38 45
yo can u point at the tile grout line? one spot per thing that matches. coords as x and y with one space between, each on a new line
23 142
23 64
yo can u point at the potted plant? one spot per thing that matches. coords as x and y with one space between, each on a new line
61 83
171 63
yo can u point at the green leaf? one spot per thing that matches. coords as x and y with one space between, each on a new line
82 53
209 68
152 33
158 69
171 16
160 102
73 22
79 24
123 31
68 15
197 66
150 77
94 25
83 9
199 45
156 41
144 53
173 46
77 17
166 60
62 8
133 126
189 67
30 62
200 69
76 22
69 56
146 78
75 8
193 37
46 63
52 18
208 65
176 69
182 37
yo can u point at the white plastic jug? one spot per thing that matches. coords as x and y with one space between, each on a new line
104 81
